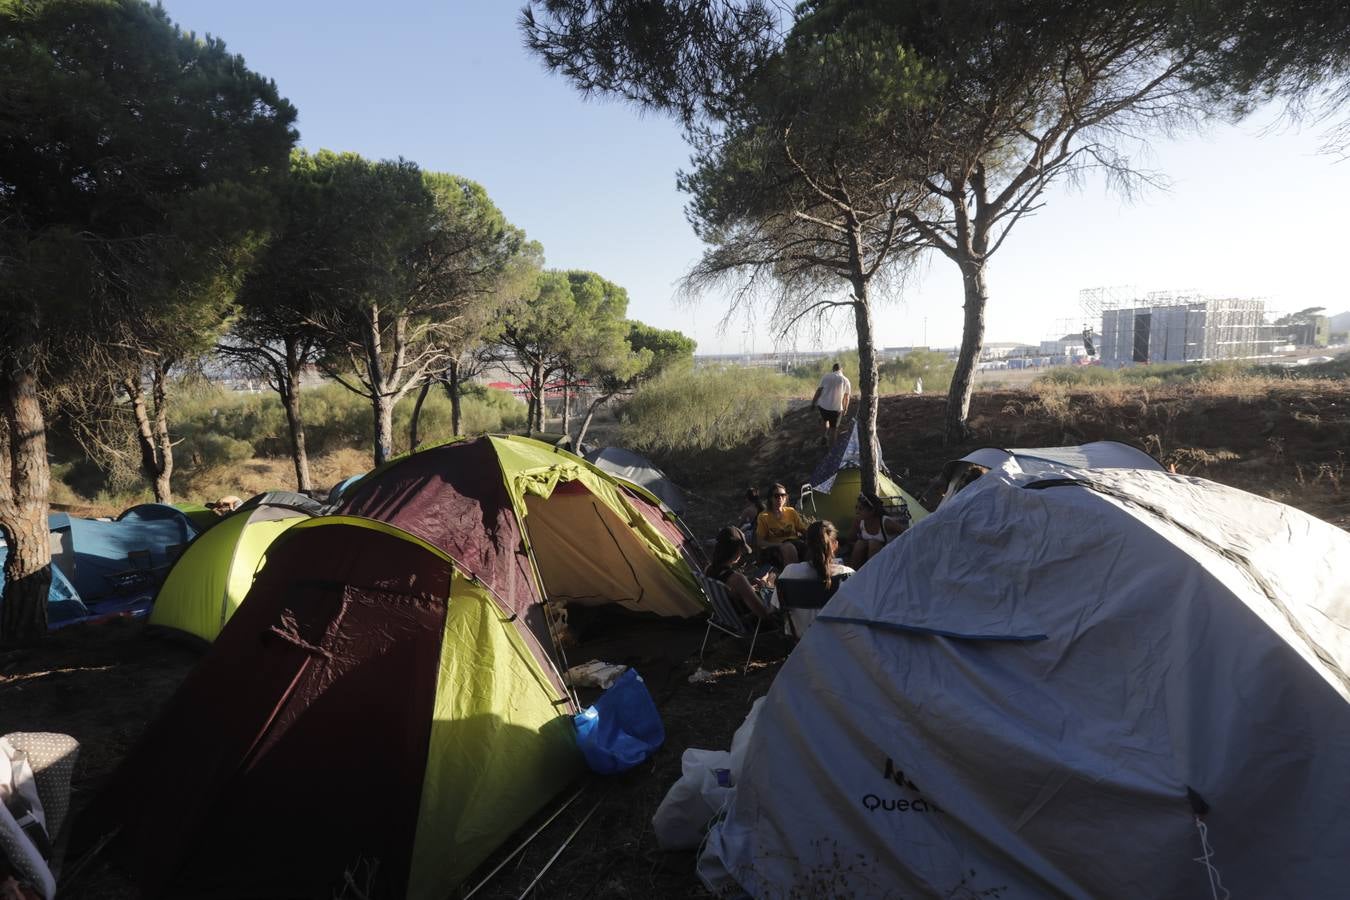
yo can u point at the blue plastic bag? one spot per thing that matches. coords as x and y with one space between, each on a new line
623 728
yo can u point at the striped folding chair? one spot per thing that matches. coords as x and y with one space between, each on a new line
726 618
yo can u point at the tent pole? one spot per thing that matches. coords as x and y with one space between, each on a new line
525 843
542 872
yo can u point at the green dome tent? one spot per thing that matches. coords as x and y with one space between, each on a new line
213 575
833 491
540 527
391 690
370 704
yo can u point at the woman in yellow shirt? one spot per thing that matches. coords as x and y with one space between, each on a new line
779 528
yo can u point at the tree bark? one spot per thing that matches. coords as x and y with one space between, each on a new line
290 399
24 508
537 387
590 414
413 440
567 404
452 388
153 436
380 404
384 426
867 389
972 342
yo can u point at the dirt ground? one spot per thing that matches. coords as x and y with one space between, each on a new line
1288 442
103 684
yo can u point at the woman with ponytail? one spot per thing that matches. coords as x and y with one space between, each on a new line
822 543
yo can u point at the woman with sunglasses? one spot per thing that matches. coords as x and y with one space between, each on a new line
779 529
872 529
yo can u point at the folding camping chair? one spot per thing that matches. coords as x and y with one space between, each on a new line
725 617
804 497
52 757
804 593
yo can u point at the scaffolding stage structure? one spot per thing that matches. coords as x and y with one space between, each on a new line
1176 326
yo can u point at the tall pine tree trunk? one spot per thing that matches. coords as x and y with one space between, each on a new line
537 386
972 342
413 438
590 415
868 402
153 436
23 506
290 399
567 404
381 405
452 388
384 426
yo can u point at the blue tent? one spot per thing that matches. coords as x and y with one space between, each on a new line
120 564
63 602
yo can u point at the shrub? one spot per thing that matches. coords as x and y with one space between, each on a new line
1080 376
205 449
689 410
897 376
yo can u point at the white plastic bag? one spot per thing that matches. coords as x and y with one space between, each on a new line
694 799
707 781
740 741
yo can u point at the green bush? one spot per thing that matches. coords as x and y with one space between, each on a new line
1080 376
690 410
483 410
217 426
204 450
1147 376
897 376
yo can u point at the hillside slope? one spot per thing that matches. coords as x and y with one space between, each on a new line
1287 441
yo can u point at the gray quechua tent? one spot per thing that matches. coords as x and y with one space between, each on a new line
637 469
1106 682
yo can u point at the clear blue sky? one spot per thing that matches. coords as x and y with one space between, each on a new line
1252 212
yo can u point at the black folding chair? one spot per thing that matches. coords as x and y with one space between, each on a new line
804 593
726 618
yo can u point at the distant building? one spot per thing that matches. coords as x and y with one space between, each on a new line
1190 329
901 352
1005 349
1316 332
1071 346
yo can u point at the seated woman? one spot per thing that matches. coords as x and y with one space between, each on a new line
730 549
872 529
822 542
750 512
778 530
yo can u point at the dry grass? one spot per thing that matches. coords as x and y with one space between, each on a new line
255 476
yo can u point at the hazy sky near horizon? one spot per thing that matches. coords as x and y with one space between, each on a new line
1253 210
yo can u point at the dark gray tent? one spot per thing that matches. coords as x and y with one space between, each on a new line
629 466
